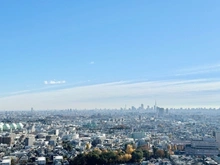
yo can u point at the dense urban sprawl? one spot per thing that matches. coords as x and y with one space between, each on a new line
151 135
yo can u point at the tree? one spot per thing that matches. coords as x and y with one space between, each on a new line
97 150
166 154
127 157
47 160
160 154
88 146
108 157
80 160
137 155
92 158
13 162
146 154
96 141
67 146
154 150
129 149
174 147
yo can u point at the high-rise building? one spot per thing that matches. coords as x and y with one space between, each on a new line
7 139
155 107
133 108
29 141
138 135
217 137
160 111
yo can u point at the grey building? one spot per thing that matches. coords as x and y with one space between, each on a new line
208 147
29 141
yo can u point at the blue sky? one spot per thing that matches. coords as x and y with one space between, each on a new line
49 48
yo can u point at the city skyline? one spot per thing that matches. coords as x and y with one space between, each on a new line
57 55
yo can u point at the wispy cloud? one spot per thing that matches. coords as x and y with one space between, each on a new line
52 82
199 70
44 88
92 63
169 93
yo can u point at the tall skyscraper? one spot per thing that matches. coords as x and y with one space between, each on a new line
155 106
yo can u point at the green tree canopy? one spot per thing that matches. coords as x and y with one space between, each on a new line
137 155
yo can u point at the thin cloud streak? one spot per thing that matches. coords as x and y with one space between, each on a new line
199 70
44 88
52 82
185 93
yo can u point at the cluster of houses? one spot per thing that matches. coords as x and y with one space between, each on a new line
55 137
